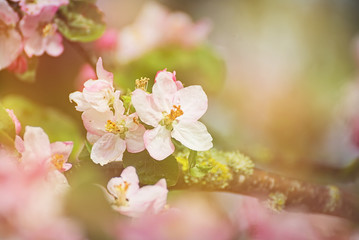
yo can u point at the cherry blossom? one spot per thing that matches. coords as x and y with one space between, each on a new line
37 151
40 33
97 94
34 7
172 113
10 39
165 74
129 199
112 132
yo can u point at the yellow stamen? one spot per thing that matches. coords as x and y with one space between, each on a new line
58 161
176 112
48 30
121 199
142 83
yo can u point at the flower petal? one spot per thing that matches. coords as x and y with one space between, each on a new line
108 148
193 101
95 121
193 135
37 145
146 108
63 148
54 45
134 139
78 98
98 93
158 142
130 176
163 92
102 73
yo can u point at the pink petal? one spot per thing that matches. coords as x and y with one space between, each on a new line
15 120
7 14
158 142
37 145
193 135
10 47
62 148
163 92
164 74
134 139
98 93
193 101
54 45
108 148
78 98
145 107
130 176
102 73
95 121
19 144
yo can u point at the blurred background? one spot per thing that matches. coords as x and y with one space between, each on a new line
281 77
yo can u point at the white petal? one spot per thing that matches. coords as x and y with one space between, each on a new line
134 139
145 107
193 101
63 148
37 145
130 176
78 98
102 73
193 135
158 142
147 200
98 93
108 148
10 47
95 121
163 92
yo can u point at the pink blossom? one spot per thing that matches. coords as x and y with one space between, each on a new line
172 113
10 38
86 72
129 199
164 74
15 120
41 34
97 94
112 132
19 65
35 7
37 151
108 41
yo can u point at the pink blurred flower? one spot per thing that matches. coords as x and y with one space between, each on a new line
41 34
19 65
131 200
10 38
35 7
108 41
156 26
86 72
97 94
172 113
36 151
112 132
257 222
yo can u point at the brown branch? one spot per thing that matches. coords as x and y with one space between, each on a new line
300 195
315 198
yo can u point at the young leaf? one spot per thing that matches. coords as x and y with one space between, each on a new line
150 171
80 21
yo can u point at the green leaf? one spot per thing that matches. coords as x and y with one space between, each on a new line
7 128
151 171
80 21
57 125
197 172
192 159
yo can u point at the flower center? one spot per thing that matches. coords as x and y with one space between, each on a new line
142 83
115 128
58 161
175 112
121 189
48 30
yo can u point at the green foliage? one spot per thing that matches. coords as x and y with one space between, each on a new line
193 66
80 21
57 125
151 171
7 128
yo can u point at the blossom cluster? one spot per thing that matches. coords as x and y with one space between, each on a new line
170 111
29 27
